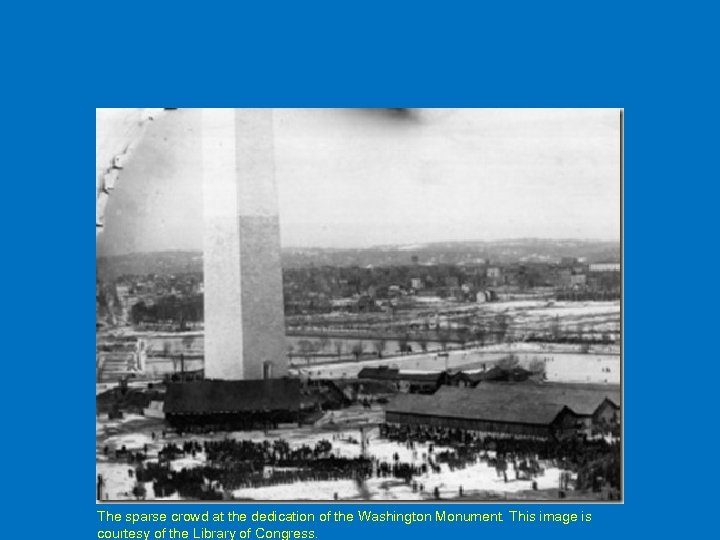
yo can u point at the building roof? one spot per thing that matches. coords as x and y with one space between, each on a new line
420 376
381 373
206 397
525 403
581 398
466 403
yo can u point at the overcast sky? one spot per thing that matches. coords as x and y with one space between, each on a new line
363 177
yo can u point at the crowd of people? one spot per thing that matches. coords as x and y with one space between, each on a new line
596 462
232 465
227 465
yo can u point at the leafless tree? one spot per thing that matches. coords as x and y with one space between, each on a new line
380 345
357 350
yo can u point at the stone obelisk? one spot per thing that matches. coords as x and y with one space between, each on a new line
244 324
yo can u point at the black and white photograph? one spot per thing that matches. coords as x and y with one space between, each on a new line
359 304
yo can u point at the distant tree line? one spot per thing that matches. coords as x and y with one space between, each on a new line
169 308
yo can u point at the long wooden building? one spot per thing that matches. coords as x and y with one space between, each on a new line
523 409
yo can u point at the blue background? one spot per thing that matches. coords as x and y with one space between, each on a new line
658 62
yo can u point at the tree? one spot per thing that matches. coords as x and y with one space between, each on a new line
555 328
138 312
463 334
357 350
444 339
404 344
167 353
380 345
324 342
501 324
537 367
479 333
339 348
306 348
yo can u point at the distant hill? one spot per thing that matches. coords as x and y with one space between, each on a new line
500 251
160 262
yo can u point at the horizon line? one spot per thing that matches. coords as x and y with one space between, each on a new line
385 246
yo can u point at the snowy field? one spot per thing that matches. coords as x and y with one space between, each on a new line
478 480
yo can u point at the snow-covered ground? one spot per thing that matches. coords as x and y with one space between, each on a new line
553 308
475 479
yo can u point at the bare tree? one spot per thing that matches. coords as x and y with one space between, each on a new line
555 328
479 333
404 344
501 325
537 367
463 335
167 353
306 349
380 345
444 339
357 350
324 342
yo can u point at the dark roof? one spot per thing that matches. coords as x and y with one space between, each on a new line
493 373
392 374
500 374
201 397
525 403
468 403
420 376
582 398
381 373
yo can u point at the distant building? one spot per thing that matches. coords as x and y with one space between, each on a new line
578 280
122 290
420 382
565 277
605 267
379 373
385 377
416 283
498 374
342 303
